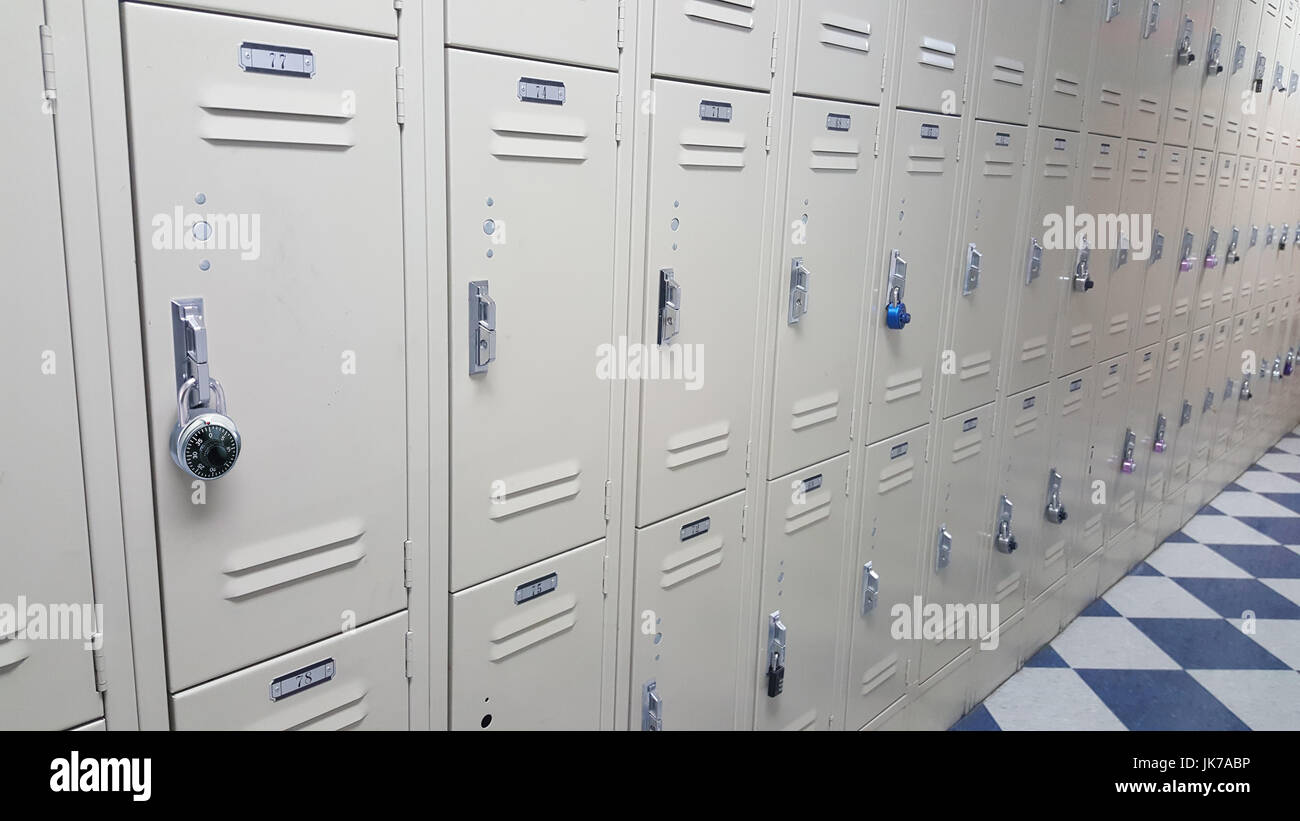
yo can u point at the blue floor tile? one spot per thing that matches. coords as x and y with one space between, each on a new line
1262 561
1144 569
1160 700
1285 529
1179 536
978 719
1101 608
1231 597
1290 501
1208 644
1046 657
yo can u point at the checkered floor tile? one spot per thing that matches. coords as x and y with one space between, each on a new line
1203 635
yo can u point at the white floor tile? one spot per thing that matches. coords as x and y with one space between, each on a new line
1155 597
1266 481
1244 503
1281 637
1263 699
1193 561
1210 529
1108 643
1290 444
1284 462
1049 698
1287 587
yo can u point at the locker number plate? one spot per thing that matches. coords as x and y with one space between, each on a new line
537 587
717 112
838 122
258 57
293 683
541 91
696 528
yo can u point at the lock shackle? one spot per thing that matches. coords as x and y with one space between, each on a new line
183 408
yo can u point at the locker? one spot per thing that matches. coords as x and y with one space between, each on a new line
1071 40
1289 131
832 175
1144 391
1277 256
365 16
1254 388
1195 407
1112 84
935 55
961 529
990 668
1190 241
1171 250
922 188
1216 62
45 685
1225 422
1219 244
732 42
1023 476
1239 67
1167 422
1256 273
300 530
1160 29
941 700
1187 32
1038 290
355 680
799 614
1085 306
687 619
840 42
529 470
1008 60
1270 94
1113 443
1124 305
568 31
1072 401
988 251
1080 588
893 521
1237 254
526 647
1042 620
704 237
1221 397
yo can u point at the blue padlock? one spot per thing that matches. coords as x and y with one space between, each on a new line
896 315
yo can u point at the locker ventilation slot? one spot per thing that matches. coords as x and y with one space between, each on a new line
1182 115
832 154
1209 120
937 53
924 160
976 365
551 616
1080 335
967 446
1035 348
1127 501
807 721
903 384
1066 85
293 558
1152 315
689 562
879 673
1072 405
1056 170
1118 324
271 117
816 508
813 410
1109 96
700 443
734 13
896 475
1207 301
846 32
329 708
1054 553
712 149
1110 387
1147 105
12 653
1009 71
533 137
996 166
535 488
1027 424
1006 587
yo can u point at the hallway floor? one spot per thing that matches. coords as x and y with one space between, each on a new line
1172 646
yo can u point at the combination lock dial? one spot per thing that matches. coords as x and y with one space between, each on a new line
206 445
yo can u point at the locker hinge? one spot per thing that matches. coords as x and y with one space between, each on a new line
47 63
618 118
622 22
773 54
408 573
744 514
410 652
608 485
767 140
748 446
97 659
848 476
401 95
875 148
604 574
853 417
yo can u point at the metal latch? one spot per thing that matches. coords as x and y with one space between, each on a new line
652 708
1034 263
1082 281
1186 415
1212 261
1055 508
1112 10
1245 388
1277 367
1209 398
1268 235
944 553
870 588
1279 77
1295 81
670 306
896 315
1239 57
1157 247
1257 78
1213 52
1282 236
775 655
1185 55
482 327
190 349
972 278
1227 389
1130 451
1290 363
1005 539
1254 237
1231 253
799 281
1158 445
1152 19
1185 252
1121 250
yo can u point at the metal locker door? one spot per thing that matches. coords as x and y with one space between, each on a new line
1072 399
1187 243
1171 250
1255 278
1144 393
1159 30
922 188
1072 38
961 528
799 612
44 684
1249 354
1008 60
528 142
1186 62
352 681
1111 86
1221 246
704 239
1234 277
1263 117
1085 305
1110 446
1127 272
304 325
935 54
1277 255
1046 269
1024 476
883 572
1239 67
687 614
526 647
1194 408
1167 425
567 31
732 42
1219 394
1216 62
989 255
828 200
1225 422
841 43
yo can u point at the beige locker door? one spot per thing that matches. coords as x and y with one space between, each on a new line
1072 401
1186 61
1166 424
1225 422
1072 38
1277 257
1008 59
935 55
1109 437
301 529
1216 61
732 42
1182 306
1039 289
962 519
1287 149
1197 401
1159 29
1247 403
568 31
687 619
1254 279
1239 68
1265 119
352 681
828 200
1063 408
989 255
1144 394
1022 476
526 647
1124 295
1234 276
841 49
529 432
922 188
803 557
1220 245
706 233
893 523
1165 257
50 684
1112 83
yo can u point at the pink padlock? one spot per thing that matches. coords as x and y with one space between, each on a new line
1185 265
1211 261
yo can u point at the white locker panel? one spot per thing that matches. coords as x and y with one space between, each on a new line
1218 48
716 41
1165 257
1072 401
840 43
1072 38
529 433
1167 424
935 55
687 615
1021 475
705 217
1124 306
1189 261
803 557
299 531
352 681
1159 30
1008 59
1254 280
1220 244
922 188
953 552
526 647
1239 67
1186 62
1109 438
1144 392
828 200
989 255
45 684
566 31
1197 403
894 518
1112 83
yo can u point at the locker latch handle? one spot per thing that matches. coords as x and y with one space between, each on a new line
190 349
1295 82
1082 279
1279 77
776 636
652 708
1005 540
1269 233
1185 55
800 279
1152 19
482 327
1157 247
1055 508
1209 399
896 315
870 588
1129 462
1230 254
1282 236
1121 250
1158 442
1277 367
1227 389
1112 10
971 280
1254 237
1290 363
943 555
1185 252
1238 57
1257 78
1214 53
1211 244
1245 388
1034 262
1186 415
670 306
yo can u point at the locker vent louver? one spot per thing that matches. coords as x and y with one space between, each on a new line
274 117
689 562
998 164
1181 307
292 558
1148 105
967 446
1118 324
975 365
1081 335
1033 348
1072 405
925 159
879 673
712 148
1111 385
1110 96
1007 586
816 508
1179 113
1209 120
535 488
842 31
814 410
937 53
1152 315
903 384
325 708
521 136
13 652
900 472
835 154
1065 84
1054 553
1055 169
551 615
1024 425
691 446
734 13
1008 70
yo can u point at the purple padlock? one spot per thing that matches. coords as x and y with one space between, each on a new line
1158 447
1211 261
1127 466
1185 265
